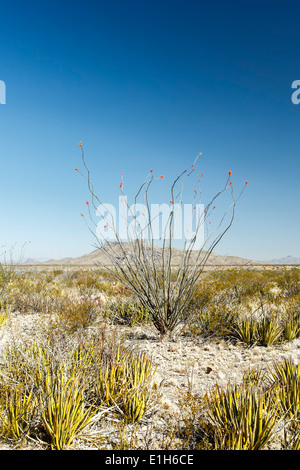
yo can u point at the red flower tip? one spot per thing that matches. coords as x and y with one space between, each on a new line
82 215
87 203
202 175
229 172
162 176
200 153
181 201
205 212
143 214
195 191
105 226
247 182
171 202
194 169
151 171
121 185
230 183
80 144
214 207
76 169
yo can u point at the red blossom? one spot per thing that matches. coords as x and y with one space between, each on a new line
162 176
247 182
229 172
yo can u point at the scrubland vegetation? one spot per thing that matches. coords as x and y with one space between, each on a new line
68 379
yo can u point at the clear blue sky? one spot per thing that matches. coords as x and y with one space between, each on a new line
148 85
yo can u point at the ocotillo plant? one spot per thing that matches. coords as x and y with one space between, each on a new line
148 270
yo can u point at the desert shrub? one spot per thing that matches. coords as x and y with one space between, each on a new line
289 282
162 285
74 316
128 313
216 320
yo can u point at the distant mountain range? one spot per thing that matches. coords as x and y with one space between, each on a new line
285 260
99 256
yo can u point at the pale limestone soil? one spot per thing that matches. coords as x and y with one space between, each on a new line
205 362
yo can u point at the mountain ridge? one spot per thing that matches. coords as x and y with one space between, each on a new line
99 257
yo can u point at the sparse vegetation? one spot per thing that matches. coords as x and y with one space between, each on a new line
73 378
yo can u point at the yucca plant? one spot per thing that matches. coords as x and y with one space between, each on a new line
3 317
64 415
111 377
269 332
242 418
245 330
124 382
28 364
292 437
286 378
136 397
255 377
291 327
134 404
17 411
129 313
